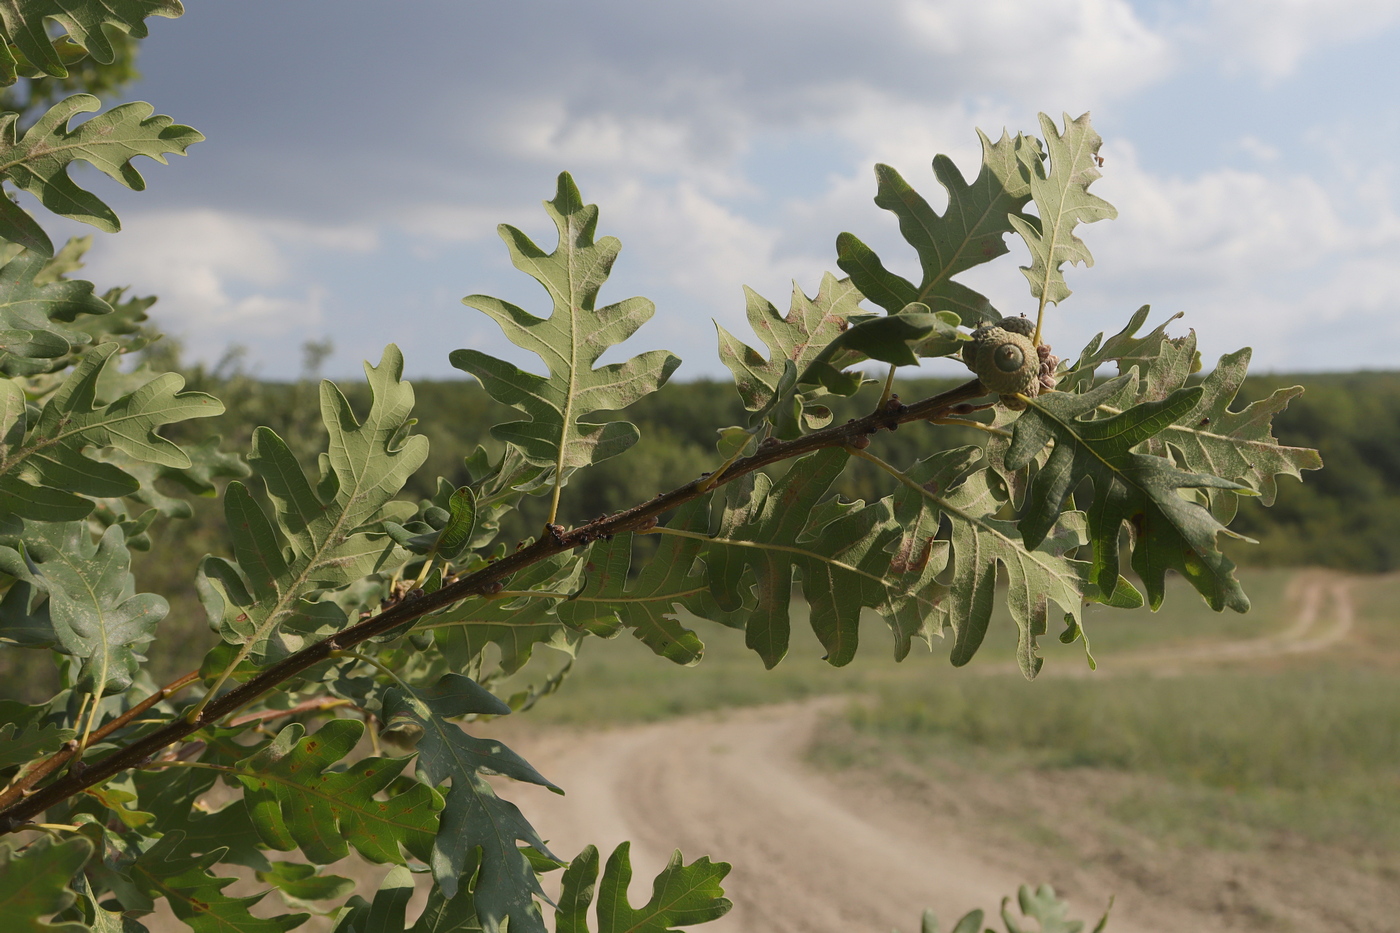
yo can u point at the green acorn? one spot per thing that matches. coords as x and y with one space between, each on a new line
1005 361
1018 325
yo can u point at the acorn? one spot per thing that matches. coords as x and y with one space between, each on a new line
1018 325
1004 360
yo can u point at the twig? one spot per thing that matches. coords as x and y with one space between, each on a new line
637 518
59 758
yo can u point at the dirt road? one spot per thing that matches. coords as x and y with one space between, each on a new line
815 853
809 856
1323 616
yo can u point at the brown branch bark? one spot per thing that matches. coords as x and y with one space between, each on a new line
61 757
555 541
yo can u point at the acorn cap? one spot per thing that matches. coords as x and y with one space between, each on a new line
1018 325
1005 361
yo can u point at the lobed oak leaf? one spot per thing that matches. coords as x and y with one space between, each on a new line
569 341
38 161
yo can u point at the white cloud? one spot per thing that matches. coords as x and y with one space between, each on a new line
689 252
224 278
1070 51
1254 258
1219 226
1272 37
1257 149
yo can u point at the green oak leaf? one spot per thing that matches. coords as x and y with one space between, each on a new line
569 341
1042 905
300 884
514 624
797 338
1125 348
34 883
898 339
970 231
773 529
92 611
448 915
457 533
195 896
1237 445
95 917
32 314
25 26
498 487
386 914
1062 202
681 896
1137 489
330 527
124 323
1210 438
297 802
649 603
171 794
207 463
980 543
1051 915
38 161
918 556
44 472
446 528
115 799
65 262
474 818
230 829
21 746
919 522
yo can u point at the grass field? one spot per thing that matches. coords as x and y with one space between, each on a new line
622 681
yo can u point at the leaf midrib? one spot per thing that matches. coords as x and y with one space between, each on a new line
310 791
39 150
770 546
333 538
926 291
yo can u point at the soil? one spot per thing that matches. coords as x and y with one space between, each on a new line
869 850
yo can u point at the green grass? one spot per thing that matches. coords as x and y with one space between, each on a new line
1311 730
1231 757
622 681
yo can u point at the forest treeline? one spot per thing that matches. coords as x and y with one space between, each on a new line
1345 516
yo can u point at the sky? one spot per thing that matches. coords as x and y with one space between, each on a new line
360 154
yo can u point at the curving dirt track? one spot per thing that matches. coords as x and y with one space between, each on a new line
816 853
1324 616
809 855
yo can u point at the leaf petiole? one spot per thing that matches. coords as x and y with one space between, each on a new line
887 391
372 663
764 546
999 432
